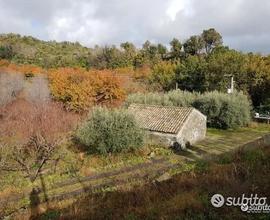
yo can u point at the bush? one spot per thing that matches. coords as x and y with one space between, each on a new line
109 131
6 52
182 98
172 98
222 110
149 98
79 89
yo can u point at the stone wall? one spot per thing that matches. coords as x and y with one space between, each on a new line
159 138
194 129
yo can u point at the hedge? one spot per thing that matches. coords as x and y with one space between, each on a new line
222 110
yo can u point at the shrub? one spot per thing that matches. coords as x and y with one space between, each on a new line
6 52
222 110
182 98
79 89
4 63
174 98
109 131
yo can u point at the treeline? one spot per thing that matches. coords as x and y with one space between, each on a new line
201 63
51 54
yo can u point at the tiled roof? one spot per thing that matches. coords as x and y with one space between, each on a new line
167 119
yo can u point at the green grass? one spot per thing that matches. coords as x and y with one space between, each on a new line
221 141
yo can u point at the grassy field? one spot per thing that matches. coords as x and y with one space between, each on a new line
77 165
185 196
222 141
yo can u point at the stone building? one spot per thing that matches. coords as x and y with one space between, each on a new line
169 125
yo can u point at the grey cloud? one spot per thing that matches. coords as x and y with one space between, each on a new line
243 23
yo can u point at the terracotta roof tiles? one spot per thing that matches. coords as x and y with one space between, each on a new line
167 119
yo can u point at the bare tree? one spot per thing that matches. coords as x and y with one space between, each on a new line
30 158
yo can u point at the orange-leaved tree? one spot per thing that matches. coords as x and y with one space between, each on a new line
80 89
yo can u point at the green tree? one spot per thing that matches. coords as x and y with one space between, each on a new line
162 49
129 53
221 65
258 78
164 75
211 39
149 54
129 48
176 47
110 57
194 45
191 74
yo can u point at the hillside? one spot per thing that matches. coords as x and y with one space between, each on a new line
185 64
30 50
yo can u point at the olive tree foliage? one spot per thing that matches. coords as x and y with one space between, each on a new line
177 98
10 86
110 131
222 110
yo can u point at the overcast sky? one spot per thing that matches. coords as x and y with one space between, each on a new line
244 24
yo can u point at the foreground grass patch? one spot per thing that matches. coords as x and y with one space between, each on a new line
186 195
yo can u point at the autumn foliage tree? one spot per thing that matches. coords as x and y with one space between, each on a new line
80 89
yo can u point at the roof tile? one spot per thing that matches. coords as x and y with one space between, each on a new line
167 119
